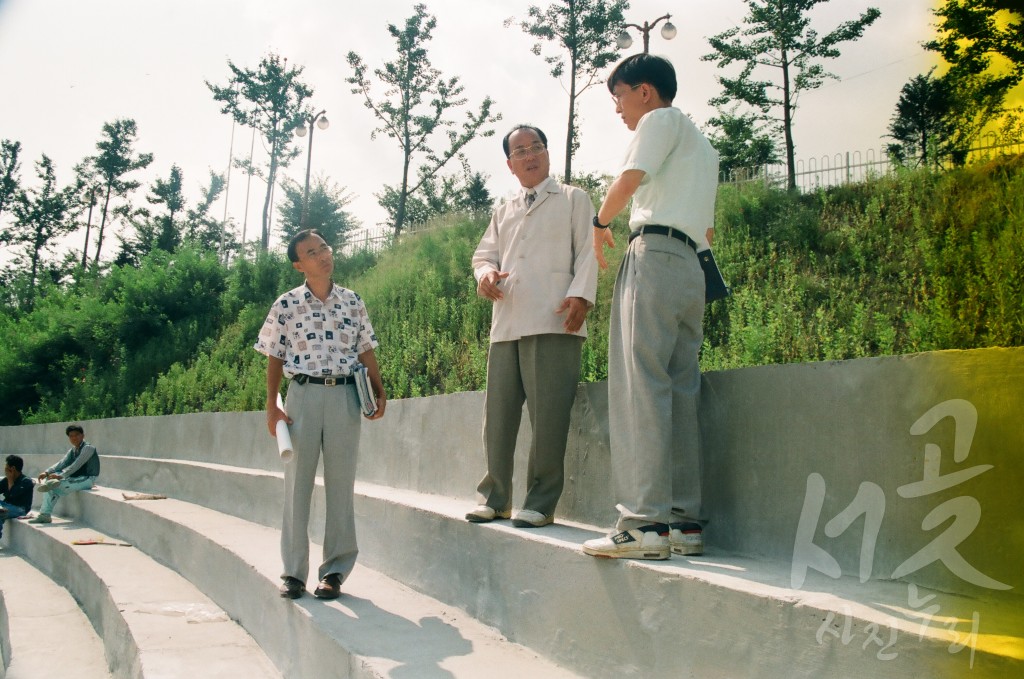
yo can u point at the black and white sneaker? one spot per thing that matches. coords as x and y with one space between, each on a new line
645 542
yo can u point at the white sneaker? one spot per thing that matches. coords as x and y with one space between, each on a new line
41 518
646 542
483 514
686 539
527 518
46 485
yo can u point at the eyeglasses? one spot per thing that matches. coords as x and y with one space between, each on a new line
617 98
534 149
320 251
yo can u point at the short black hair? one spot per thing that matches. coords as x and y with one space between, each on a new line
16 462
524 126
74 427
293 244
646 68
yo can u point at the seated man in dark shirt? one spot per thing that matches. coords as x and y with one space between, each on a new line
16 491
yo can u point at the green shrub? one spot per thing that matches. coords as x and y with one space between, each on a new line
917 261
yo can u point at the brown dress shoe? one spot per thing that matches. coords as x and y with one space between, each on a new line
292 588
329 587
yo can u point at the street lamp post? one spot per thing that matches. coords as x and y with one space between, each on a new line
320 119
668 31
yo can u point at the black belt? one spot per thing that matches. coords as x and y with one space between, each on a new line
326 381
664 231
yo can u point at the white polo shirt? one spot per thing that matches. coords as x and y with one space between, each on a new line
681 174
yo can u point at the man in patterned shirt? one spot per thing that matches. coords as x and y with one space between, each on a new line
313 335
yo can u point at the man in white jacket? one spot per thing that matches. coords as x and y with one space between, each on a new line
537 264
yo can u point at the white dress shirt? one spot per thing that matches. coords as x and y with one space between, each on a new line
681 174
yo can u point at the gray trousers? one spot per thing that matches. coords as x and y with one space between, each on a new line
543 370
328 419
654 383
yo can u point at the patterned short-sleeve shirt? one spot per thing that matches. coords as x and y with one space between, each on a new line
314 337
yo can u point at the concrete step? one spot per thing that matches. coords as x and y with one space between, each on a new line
153 622
719 615
378 628
37 612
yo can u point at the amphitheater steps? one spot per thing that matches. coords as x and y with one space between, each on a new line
717 615
39 612
378 628
152 621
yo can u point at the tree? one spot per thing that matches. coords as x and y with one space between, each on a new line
742 144
270 99
88 178
163 232
465 192
326 210
42 216
779 37
982 37
920 124
115 160
478 198
201 228
584 31
981 41
415 106
10 166
168 193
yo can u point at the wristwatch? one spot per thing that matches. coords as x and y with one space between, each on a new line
598 224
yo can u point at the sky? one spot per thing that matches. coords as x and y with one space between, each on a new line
69 66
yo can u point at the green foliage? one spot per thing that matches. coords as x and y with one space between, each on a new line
918 261
325 210
10 166
86 352
415 106
272 100
779 37
584 32
42 217
431 326
115 160
981 42
742 143
920 124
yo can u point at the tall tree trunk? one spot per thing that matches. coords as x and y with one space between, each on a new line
403 195
570 135
88 227
787 124
103 223
271 175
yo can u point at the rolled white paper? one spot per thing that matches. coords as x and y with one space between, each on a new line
284 439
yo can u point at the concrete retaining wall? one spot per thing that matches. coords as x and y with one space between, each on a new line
904 468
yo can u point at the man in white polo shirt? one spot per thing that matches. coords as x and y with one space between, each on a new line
671 175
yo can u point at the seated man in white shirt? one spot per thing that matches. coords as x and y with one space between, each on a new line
537 264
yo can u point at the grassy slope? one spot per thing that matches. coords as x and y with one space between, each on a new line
902 264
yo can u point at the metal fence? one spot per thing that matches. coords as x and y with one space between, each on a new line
853 167
382 238
812 174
